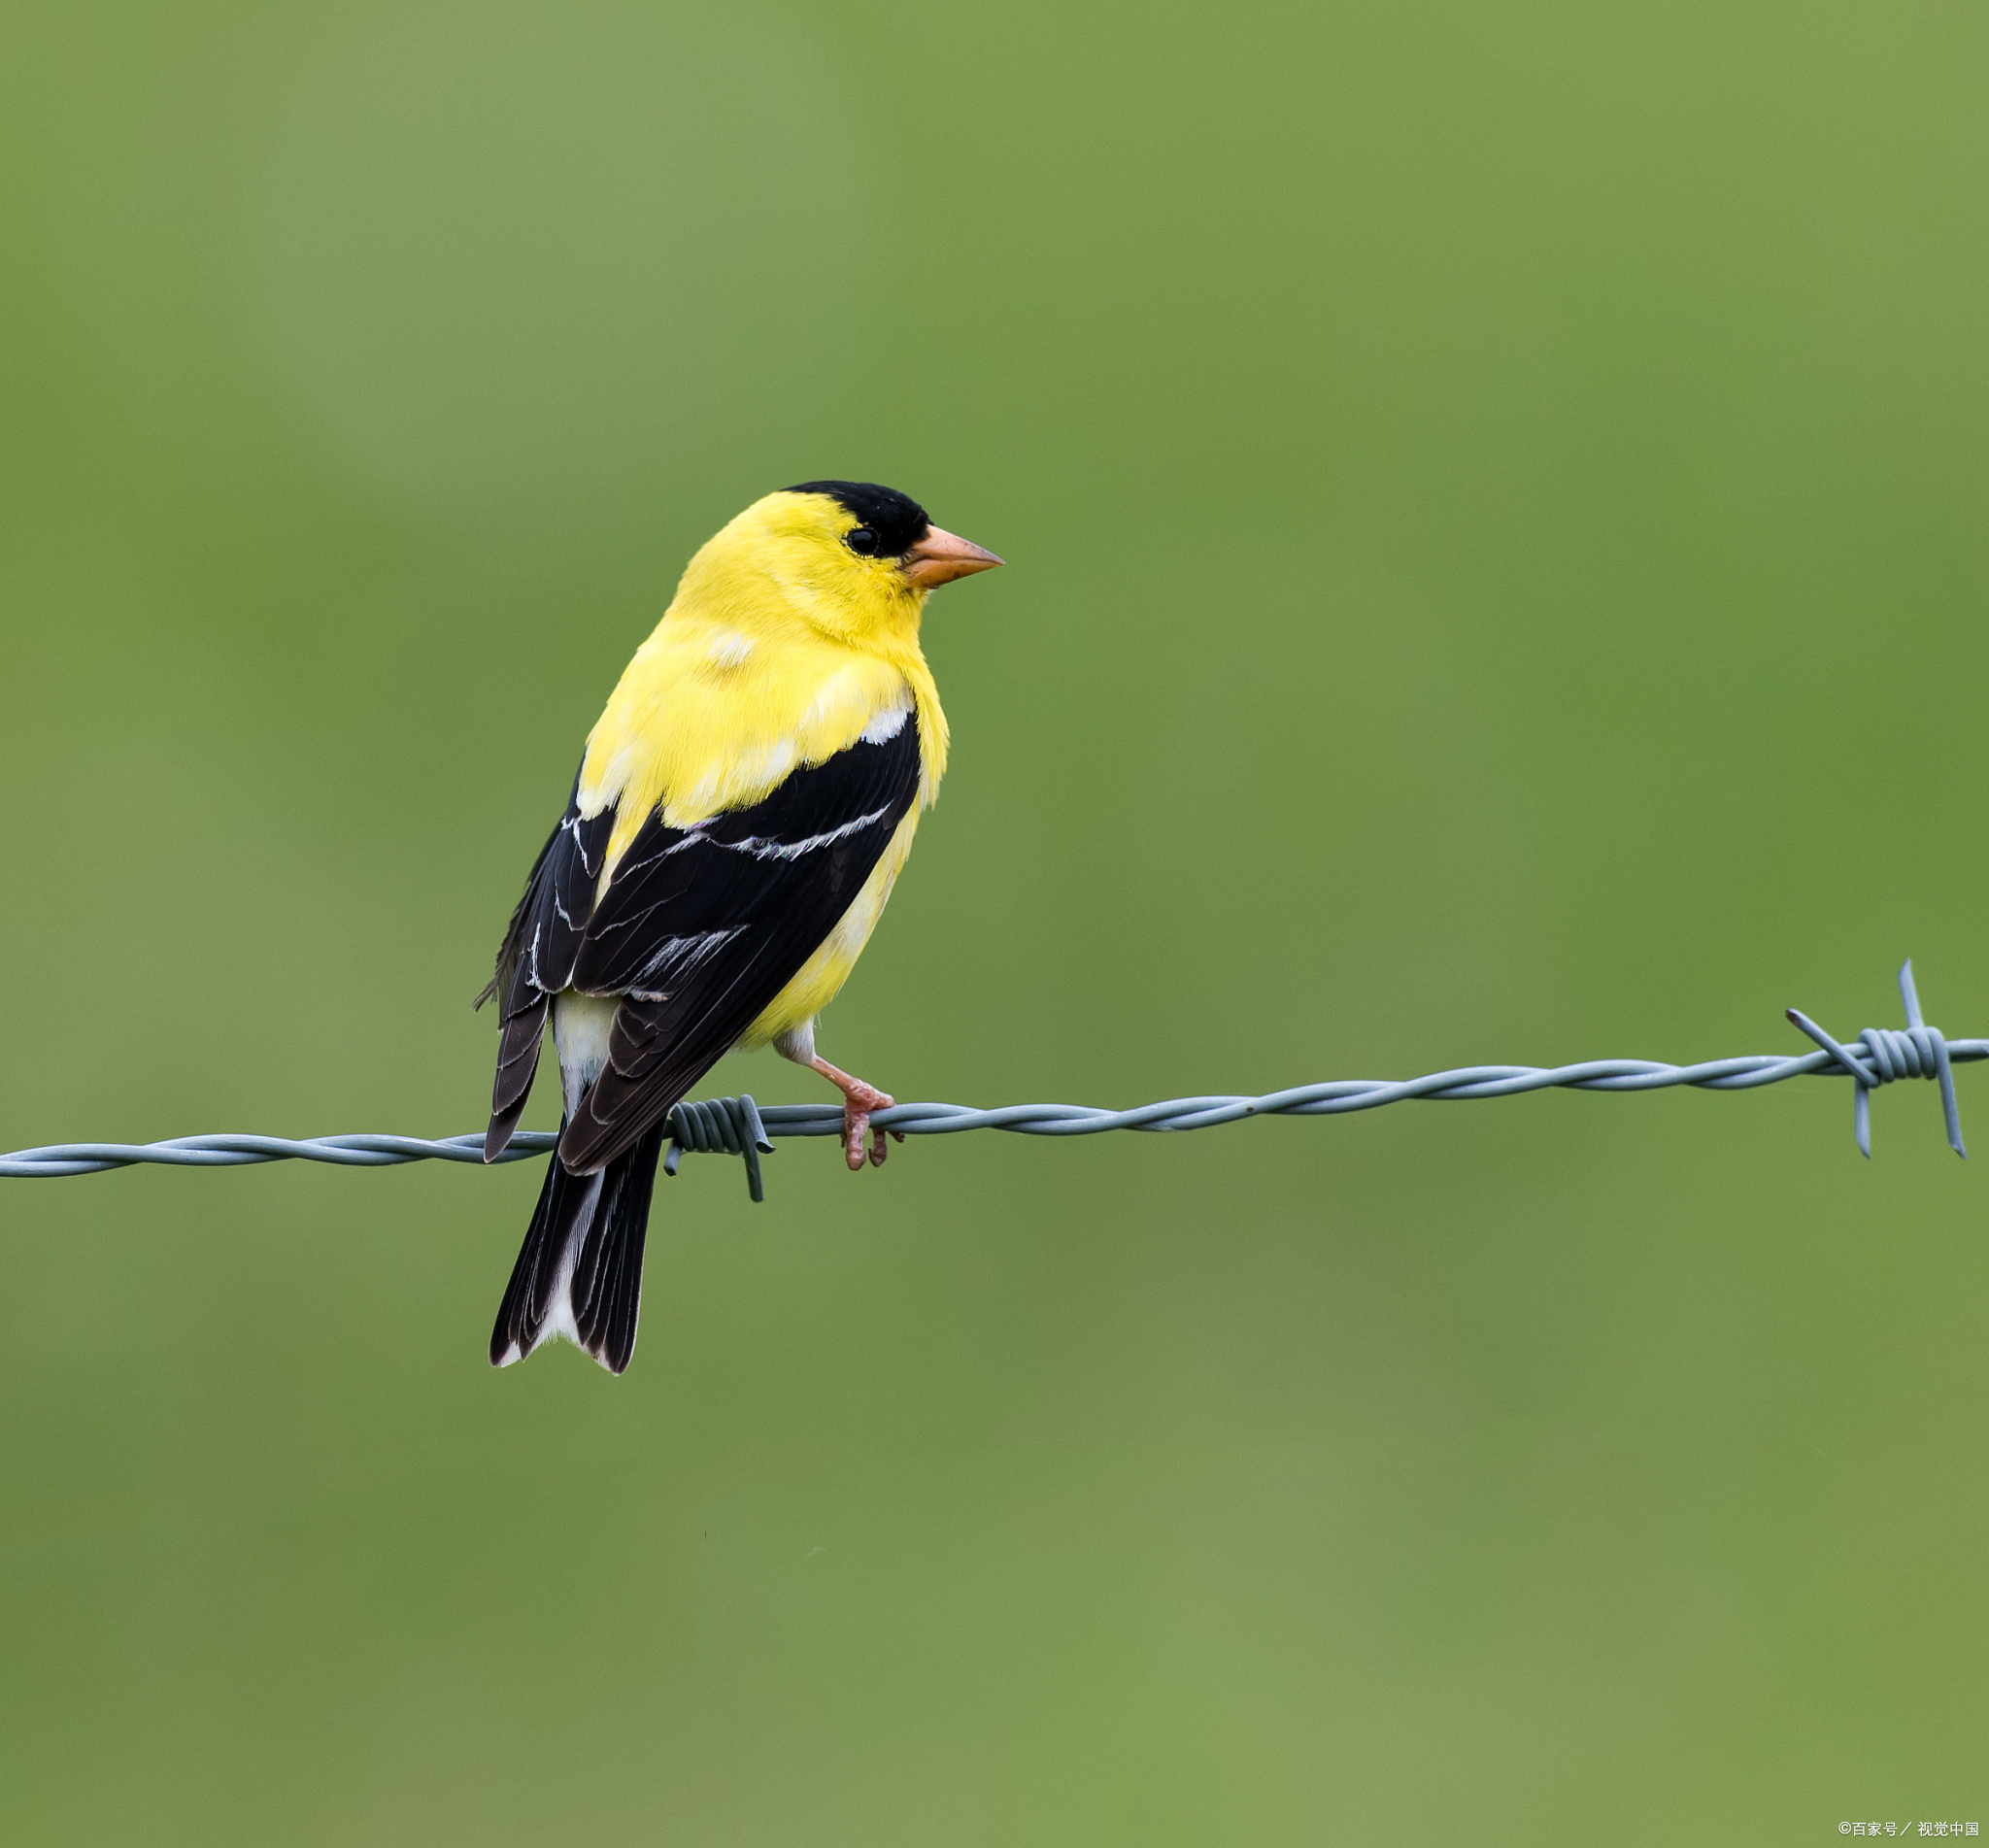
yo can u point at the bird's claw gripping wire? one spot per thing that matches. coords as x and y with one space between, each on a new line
720 1125
1919 1052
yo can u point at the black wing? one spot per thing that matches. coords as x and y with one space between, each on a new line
543 935
698 931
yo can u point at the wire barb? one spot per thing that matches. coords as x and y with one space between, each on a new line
737 1126
1920 1052
720 1125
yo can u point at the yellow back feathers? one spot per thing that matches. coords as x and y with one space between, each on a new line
782 646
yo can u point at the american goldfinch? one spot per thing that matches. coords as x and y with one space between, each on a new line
744 805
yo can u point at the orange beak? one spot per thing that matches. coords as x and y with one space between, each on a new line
940 557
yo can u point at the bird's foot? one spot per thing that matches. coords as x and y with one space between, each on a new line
858 1101
858 1105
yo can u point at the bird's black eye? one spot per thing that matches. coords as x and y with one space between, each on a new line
862 541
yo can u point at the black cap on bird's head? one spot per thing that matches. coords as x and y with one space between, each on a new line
893 525
893 520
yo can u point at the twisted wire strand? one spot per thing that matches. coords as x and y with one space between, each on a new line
737 1126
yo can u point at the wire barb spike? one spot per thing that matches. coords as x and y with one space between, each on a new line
1920 1052
720 1125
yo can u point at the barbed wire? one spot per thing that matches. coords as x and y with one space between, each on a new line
737 1126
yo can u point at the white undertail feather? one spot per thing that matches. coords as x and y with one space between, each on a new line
581 1025
559 1319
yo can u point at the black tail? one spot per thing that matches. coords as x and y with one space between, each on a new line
578 1272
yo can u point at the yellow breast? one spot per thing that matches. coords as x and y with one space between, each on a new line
820 978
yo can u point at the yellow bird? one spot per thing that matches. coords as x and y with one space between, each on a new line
745 802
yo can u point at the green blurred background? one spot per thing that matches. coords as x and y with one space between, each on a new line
1495 502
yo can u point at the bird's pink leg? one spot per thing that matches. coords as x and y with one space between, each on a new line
858 1100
